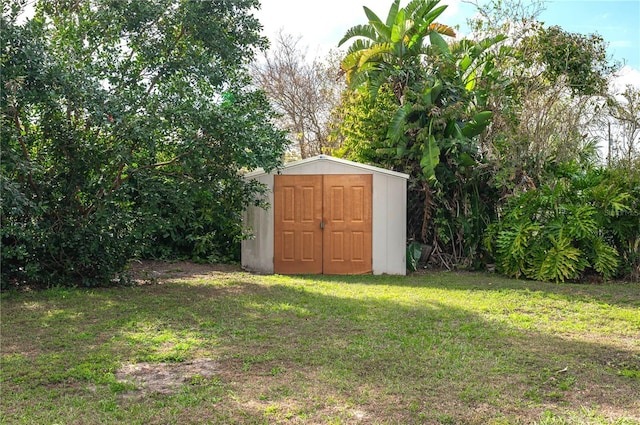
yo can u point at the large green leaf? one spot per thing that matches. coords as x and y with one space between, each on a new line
433 13
513 245
401 147
393 11
560 262
465 160
464 63
414 252
396 128
440 43
400 27
430 94
606 258
383 30
430 158
477 124
470 81
581 223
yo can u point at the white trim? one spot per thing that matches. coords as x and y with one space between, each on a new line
367 167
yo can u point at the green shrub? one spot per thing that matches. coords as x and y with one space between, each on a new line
125 134
573 225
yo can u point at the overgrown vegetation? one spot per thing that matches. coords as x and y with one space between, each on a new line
495 135
231 347
577 224
435 94
125 126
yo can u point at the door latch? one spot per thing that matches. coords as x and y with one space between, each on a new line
322 224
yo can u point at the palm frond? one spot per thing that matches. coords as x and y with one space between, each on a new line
375 52
350 61
442 29
357 79
359 45
419 8
396 128
365 31
376 80
432 15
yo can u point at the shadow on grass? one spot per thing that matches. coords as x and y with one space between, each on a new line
401 361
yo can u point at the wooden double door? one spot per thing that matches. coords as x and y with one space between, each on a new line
323 224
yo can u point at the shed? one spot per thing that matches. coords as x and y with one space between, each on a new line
328 216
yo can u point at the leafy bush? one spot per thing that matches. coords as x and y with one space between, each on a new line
52 243
583 223
125 127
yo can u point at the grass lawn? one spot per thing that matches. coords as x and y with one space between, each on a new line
224 347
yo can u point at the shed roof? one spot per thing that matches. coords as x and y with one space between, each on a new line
302 162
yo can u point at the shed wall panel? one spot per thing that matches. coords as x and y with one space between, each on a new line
257 252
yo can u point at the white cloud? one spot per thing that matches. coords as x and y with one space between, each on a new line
320 23
626 76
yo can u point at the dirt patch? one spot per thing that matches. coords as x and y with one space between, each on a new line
165 378
142 272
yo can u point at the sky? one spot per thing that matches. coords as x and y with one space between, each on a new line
321 24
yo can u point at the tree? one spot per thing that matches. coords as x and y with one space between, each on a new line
560 215
125 126
579 60
386 52
434 93
624 141
546 113
303 92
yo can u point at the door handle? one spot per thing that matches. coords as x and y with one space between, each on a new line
322 224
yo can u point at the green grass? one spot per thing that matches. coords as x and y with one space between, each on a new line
438 348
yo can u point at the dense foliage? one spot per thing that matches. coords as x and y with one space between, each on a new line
577 223
495 133
125 126
420 104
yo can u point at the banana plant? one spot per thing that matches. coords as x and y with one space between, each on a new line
422 114
382 50
438 86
